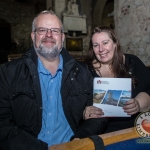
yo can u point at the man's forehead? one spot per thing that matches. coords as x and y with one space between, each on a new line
47 16
48 19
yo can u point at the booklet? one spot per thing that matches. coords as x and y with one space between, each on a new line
110 94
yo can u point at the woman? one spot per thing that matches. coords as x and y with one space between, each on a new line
106 59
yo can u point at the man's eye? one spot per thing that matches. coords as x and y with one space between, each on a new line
56 31
41 30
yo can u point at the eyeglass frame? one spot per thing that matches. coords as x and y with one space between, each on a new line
51 30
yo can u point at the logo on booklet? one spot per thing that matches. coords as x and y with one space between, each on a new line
142 124
102 82
98 81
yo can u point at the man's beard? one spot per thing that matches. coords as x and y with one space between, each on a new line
49 53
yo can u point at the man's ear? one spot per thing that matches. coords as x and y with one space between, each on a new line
63 37
32 36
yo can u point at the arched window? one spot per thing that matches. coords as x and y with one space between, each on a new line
108 14
5 40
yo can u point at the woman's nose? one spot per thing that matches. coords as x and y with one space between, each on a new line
101 48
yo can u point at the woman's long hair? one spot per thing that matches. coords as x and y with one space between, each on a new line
117 66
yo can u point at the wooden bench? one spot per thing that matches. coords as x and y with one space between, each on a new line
108 138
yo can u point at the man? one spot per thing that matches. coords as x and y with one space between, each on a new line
43 94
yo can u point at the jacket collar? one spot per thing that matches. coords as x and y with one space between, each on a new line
66 56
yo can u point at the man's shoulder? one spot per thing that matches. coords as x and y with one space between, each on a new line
18 63
12 63
12 69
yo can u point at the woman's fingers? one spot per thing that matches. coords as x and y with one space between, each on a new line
131 107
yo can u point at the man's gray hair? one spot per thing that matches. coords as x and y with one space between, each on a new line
42 13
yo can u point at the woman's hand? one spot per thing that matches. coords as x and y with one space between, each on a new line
131 107
92 112
138 104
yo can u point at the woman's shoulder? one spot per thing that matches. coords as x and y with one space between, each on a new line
134 63
132 58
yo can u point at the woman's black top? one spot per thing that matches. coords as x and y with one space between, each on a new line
142 74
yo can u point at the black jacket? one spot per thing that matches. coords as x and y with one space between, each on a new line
21 102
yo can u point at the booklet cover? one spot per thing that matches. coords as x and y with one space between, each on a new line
110 94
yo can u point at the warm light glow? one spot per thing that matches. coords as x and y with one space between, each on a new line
74 44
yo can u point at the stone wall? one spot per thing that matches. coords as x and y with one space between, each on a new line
20 17
132 25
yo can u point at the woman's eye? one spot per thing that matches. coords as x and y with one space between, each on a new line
105 43
94 45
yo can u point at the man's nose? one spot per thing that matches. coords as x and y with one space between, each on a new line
49 32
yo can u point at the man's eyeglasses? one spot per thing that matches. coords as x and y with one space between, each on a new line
43 31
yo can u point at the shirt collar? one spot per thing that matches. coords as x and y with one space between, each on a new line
42 69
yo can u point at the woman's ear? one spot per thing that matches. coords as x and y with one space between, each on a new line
115 46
